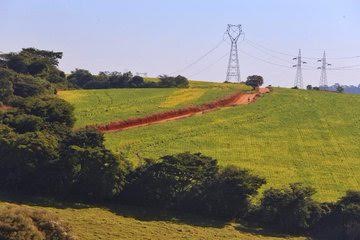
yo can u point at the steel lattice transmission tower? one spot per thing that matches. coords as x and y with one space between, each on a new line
299 78
323 76
233 69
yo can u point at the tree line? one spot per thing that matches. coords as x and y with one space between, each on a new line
34 72
42 154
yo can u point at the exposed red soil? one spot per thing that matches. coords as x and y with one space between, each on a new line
232 100
4 107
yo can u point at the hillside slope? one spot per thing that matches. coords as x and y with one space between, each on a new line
287 136
107 105
129 223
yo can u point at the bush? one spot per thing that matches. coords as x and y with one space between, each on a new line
6 85
165 182
226 195
289 210
254 81
88 170
167 81
80 77
343 219
21 223
50 109
22 122
192 182
27 161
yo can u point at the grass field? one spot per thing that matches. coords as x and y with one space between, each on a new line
103 106
287 136
129 223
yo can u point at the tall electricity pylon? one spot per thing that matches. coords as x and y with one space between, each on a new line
323 76
233 69
299 78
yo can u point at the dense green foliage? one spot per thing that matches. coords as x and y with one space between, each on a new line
81 78
290 210
254 81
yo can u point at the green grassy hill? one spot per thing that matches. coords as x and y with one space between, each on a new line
129 223
287 136
103 106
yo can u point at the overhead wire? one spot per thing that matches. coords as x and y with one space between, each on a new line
200 58
210 65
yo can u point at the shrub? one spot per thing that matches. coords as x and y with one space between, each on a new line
167 81
50 109
22 223
289 210
226 195
22 122
6 85
343 219
88 170
254 81
80 77
27 161
165 182
28 86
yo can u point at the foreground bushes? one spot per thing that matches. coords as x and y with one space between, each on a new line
342 220
192 182
20 223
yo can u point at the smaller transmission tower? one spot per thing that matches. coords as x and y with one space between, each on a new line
233 69
323 76
299 78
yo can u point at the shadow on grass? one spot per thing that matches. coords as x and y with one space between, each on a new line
264 232
37 201
152 214
136 212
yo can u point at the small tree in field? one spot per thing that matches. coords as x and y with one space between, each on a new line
339 89
254 81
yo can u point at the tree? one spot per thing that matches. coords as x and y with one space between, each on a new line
226 195
28 86
27 161
50 109
51 57
6 86
181 81
254 81
93 173
290 210
309 87
22 123
167 81
339 89
88 170
37 67
80 77
342 220
136 81
165 182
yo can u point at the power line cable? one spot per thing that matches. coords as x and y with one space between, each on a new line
209 66
292 55
200 58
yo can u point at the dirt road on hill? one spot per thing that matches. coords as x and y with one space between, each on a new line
233 100
4 107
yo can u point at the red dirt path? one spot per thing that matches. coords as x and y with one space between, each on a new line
233 100
4 107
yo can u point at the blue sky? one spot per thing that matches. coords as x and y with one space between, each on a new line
163 36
